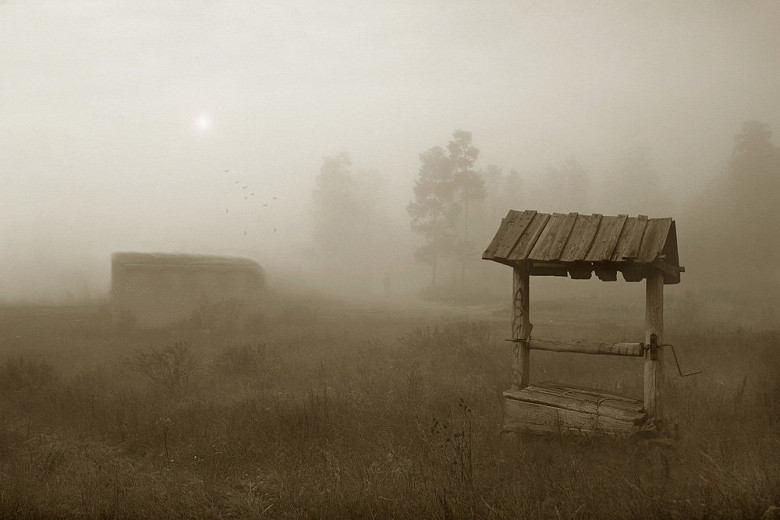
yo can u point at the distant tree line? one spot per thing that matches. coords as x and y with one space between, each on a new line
445 194
350 225
457 205
735 221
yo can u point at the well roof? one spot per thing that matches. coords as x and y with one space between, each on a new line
561 244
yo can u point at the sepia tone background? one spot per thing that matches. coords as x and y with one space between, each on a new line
363 154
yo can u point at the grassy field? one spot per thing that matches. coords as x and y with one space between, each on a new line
372 410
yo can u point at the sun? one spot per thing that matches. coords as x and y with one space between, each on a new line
203 123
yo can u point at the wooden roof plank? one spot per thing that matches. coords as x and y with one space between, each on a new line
654 239
511 228
562 237
627 247
606 239
529 237
581 237
553 237
546 237
490 252
582 244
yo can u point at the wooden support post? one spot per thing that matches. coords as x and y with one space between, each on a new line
654 324
521 327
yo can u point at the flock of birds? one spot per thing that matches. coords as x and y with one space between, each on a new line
247 194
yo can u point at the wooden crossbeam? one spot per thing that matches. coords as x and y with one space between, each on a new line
587 347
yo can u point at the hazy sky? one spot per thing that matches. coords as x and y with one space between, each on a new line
118 119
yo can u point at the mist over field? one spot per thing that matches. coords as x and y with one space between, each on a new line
241 268
135 127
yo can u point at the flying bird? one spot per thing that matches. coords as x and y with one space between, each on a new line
274 230
244 187
227 211
273 198
227 171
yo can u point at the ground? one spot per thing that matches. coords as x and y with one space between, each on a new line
330 409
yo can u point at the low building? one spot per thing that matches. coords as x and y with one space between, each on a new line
154 290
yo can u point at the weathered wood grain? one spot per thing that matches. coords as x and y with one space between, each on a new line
606 239
581 238
587 391
524 416
511 229
490 251
527 241
579 245
627 247
587 347
572 398
553 238
521 326
654 323
654 239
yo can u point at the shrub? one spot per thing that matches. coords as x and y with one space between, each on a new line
423 338
169 367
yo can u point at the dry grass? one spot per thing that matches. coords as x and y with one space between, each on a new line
341 411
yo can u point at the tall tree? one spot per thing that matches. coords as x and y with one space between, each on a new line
469 188
733 223
754 160
753 185
469 185
336 203
349 222
434 209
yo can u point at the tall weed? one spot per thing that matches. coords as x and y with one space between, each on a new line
169 367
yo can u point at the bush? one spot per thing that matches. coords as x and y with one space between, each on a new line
169 367
424 338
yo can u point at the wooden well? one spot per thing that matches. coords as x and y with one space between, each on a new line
541 244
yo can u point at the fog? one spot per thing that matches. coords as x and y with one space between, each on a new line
145 126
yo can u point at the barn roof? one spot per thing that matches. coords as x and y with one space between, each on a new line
560 244
178 259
